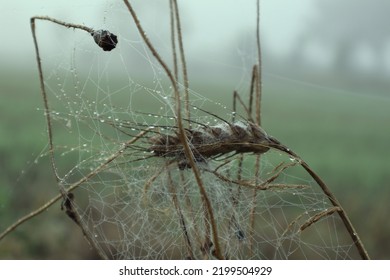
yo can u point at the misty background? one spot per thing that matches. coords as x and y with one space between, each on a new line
325 70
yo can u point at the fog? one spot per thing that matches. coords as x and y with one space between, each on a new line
325 74
328 39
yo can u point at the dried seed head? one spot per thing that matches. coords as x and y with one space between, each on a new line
105 39
213 141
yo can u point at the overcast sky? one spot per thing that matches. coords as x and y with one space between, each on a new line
281 21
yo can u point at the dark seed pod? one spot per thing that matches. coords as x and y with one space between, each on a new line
105 39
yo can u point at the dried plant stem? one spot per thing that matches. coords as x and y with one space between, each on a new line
256 86
252 222
182 59
343 215
66 24
259 66
172 190
63 192
190 209
347 222
318 217
44 95
71 187
181 131
173 40
253 208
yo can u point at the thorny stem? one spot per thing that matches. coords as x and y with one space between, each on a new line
181 131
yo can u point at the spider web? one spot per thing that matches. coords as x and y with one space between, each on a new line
135 205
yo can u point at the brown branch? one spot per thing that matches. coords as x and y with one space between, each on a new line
318 217
258 72
183 61
70 188
343 215
263 186
181 131
172 190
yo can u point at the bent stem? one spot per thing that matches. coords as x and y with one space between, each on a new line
63 191
343 215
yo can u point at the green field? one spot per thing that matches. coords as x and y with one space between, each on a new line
343 136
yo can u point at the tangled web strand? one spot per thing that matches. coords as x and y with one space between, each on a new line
136 196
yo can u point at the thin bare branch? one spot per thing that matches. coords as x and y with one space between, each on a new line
343 215
71 187
318 217
181 132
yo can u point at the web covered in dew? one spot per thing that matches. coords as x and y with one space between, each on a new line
136 205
